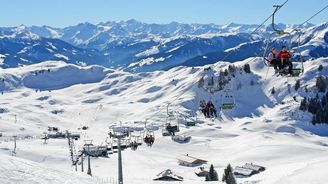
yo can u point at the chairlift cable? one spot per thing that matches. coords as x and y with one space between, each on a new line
306 21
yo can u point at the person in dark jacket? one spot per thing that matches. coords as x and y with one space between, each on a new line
272 58
212 109
203 108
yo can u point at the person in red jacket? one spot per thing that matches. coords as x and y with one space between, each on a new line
284 56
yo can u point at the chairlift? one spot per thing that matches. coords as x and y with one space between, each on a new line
148 135
228 102
171 126
295 71
135 140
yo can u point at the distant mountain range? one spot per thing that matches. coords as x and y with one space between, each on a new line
136 46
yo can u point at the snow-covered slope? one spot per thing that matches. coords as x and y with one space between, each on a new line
17 170
264 128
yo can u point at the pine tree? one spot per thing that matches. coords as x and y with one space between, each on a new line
228 176
297 85
207 178
325 114
247 68
226 73
321 83
231 69
324 101
212 175
313 105
319 116
314 120
320 68
304 105
201 82
273 91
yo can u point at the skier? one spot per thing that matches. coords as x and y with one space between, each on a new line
170 129
151 140
272 58
211 109
146 139
202 107
134 145
284 56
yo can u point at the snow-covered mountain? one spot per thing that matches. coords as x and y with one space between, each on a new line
21 47
265 128
137 46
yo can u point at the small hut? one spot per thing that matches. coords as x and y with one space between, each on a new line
189 161
56 135
168 175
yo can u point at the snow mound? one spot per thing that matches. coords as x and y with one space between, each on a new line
22 171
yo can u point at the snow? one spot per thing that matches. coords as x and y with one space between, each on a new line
62 56
17 170
54 33
147 61
52 46
264 128
153 50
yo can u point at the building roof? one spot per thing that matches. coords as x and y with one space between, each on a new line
243 171
253 167
168 175
190 159
181 138
201 171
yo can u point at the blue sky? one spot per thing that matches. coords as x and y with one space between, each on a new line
60 13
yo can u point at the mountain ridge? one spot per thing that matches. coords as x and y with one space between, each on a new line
136 46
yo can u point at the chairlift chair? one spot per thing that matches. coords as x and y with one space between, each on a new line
228 102
171 125
135 140
148 135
